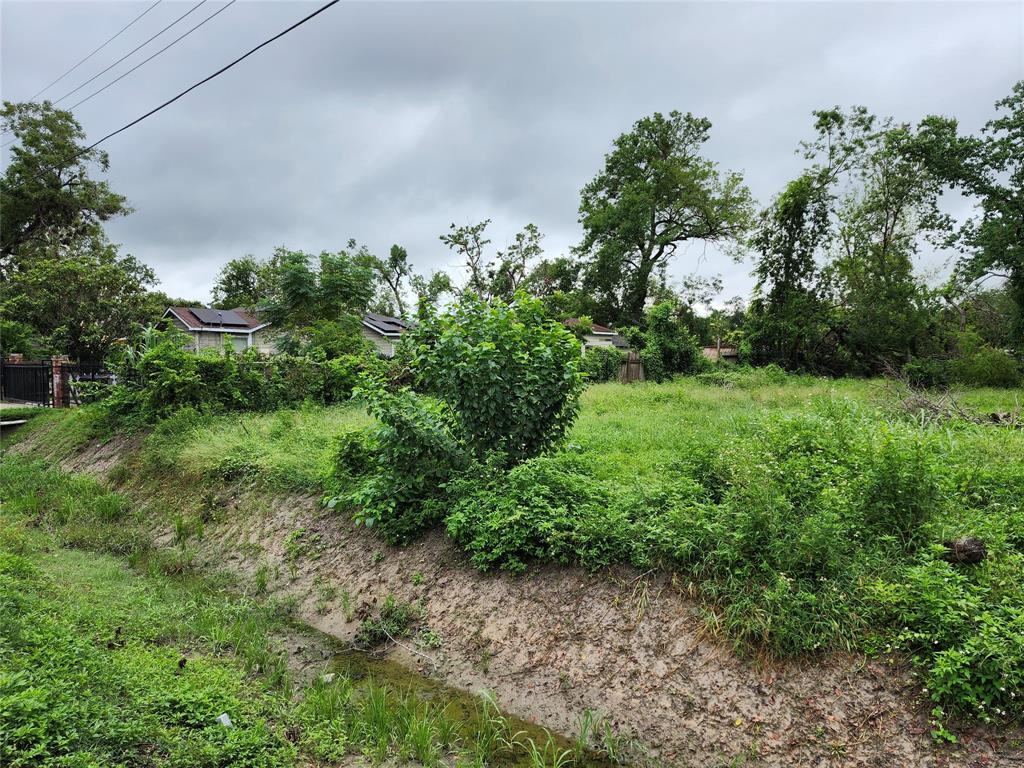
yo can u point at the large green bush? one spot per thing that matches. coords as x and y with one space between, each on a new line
158 377
668 345
971 362
509 375
980 365
602 363
415 451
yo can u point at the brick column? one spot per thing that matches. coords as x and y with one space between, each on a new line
57 362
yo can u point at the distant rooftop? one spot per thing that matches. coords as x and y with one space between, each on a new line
385 325
204 318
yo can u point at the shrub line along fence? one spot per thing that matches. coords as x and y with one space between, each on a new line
51 383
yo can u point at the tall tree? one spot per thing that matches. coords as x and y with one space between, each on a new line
989 168
394 272
510 270
654 193
328 287
48 197
79 303
502 275
243 282
786 317
469 242
890 212
429 289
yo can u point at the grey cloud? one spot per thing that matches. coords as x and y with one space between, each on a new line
386 121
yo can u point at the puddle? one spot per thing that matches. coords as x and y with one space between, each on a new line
462 706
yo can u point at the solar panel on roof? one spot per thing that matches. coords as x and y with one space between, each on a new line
219 317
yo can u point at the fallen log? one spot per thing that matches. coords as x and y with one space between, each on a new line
968 550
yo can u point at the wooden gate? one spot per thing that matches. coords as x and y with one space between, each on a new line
631 369
27 382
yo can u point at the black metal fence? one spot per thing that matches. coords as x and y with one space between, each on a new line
33 382
27 382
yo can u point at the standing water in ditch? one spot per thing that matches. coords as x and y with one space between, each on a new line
456 715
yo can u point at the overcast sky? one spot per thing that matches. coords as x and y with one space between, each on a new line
386 121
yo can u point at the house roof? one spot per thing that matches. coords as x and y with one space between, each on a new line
713 352
602 331
221 320
597 330
385 325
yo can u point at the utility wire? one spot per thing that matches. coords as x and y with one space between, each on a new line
144 61
207 79
133 50
104 45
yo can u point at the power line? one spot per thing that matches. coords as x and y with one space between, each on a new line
207 79
104 45
144 61
133 50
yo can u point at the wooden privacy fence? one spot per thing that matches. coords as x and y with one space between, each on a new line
631 369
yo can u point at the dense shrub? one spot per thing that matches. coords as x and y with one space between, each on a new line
668 345
926 372
415 452
971 363
159 377
546 509
354 453
977 364
602 363
746 377
509 375
807 532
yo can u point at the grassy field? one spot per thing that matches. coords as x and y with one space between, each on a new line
808 514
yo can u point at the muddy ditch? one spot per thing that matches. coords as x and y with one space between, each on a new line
557 642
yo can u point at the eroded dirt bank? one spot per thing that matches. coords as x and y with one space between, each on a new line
557 641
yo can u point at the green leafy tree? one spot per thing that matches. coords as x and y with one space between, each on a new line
509 374
81 303
306 289
49 200
157 303
244 282
788 317
469 243
504 274
429 289
654 193
550 276
881 225
989 168
668 345
394 272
